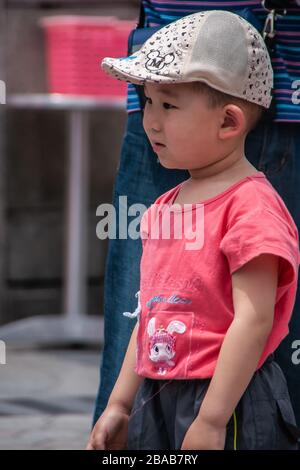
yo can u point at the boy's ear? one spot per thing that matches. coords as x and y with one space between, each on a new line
233 122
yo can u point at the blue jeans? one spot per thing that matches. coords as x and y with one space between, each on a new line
273 148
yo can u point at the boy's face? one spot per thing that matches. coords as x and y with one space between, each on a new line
178 117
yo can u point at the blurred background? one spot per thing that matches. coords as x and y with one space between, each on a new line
61 128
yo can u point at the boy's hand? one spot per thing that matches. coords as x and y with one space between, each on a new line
111 430
202 435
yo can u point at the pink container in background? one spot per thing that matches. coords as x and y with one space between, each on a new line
75 46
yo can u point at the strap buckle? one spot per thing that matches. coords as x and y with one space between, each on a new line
269 27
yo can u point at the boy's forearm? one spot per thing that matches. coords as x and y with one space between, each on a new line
237 362
128 382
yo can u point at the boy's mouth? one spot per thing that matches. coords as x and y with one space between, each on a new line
157 145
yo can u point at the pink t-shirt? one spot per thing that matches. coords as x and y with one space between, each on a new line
189 254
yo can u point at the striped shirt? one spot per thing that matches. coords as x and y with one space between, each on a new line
285 60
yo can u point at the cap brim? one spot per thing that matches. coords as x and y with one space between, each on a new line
115 68
130 70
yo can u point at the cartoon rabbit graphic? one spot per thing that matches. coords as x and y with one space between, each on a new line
162 343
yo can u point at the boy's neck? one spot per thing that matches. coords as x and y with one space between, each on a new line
231 167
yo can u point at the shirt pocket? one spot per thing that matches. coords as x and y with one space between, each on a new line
167 343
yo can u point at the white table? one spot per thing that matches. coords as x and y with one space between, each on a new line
74 325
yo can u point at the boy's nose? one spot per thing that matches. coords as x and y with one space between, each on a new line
155 129
154 126
152 121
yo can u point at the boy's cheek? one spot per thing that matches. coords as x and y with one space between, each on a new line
145 124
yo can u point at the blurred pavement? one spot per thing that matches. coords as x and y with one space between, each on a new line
47 398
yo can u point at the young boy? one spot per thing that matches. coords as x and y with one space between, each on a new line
199 371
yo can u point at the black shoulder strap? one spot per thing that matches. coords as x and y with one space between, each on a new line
142 16
277 5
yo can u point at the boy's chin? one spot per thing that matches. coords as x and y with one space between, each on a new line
170 165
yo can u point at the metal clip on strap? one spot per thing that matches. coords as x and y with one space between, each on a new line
269 29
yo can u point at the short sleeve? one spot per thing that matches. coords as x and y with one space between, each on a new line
258 233
144 226
148 222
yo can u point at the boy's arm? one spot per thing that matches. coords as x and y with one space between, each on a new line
254 289
110 431
128 381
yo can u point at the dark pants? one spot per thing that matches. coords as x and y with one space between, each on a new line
264 419
273 148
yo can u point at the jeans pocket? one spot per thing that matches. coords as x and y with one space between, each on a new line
275 425
288 434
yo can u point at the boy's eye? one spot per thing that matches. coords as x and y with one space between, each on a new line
168 105
165 105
